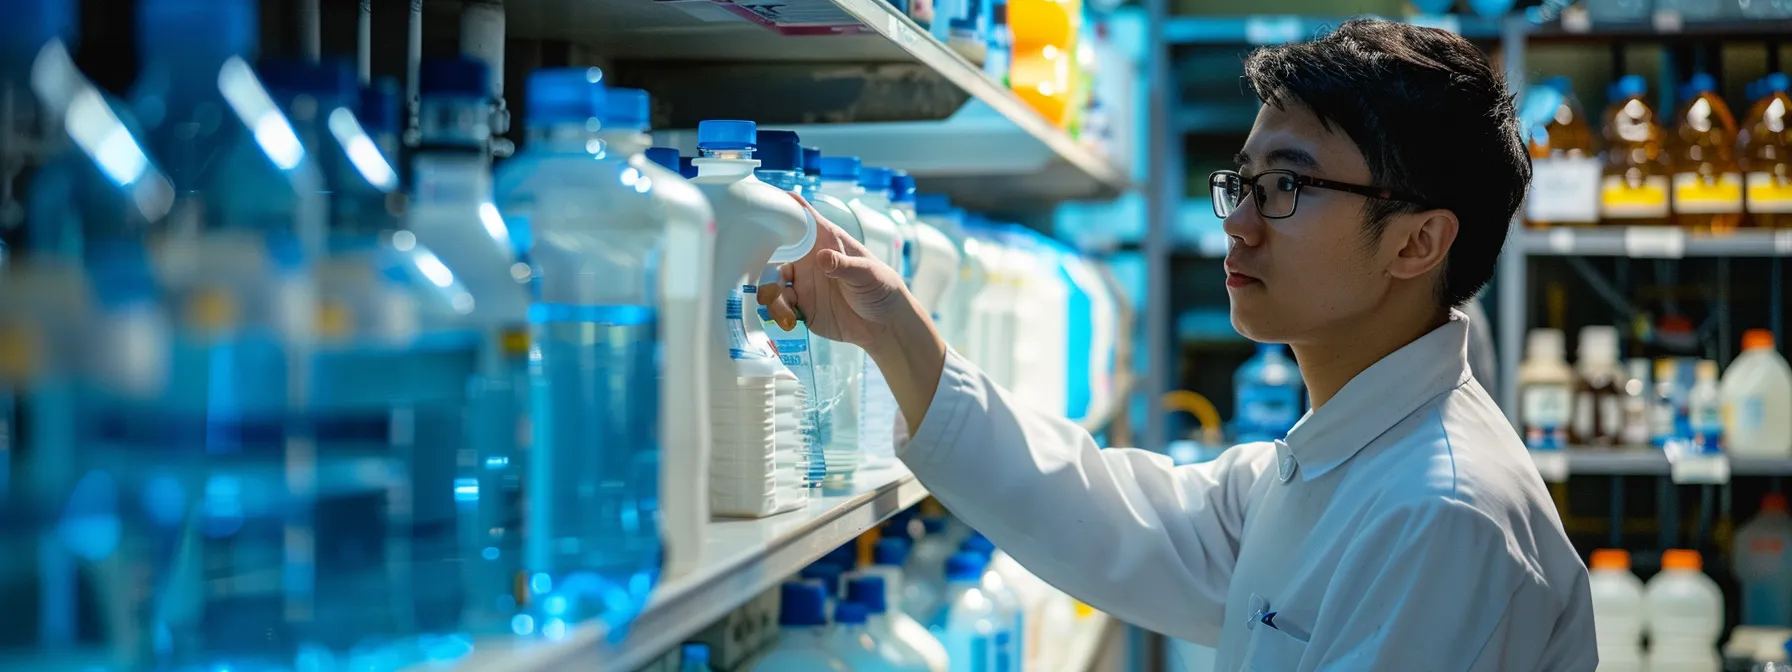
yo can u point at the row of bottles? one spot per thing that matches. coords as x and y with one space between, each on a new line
1706 173
1680 611
1598 402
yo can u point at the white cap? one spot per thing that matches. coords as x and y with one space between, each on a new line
1599 344
1544 345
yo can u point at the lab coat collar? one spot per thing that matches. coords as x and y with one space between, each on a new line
1376 399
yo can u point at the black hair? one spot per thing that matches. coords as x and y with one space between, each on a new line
1432 118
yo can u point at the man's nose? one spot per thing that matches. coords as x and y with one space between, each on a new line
1244 226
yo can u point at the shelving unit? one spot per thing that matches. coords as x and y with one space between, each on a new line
977 142
1652 242
742 559
1646 461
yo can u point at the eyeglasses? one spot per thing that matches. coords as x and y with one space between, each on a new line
1278 191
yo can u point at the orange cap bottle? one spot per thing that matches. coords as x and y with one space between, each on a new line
1610 558
1681 559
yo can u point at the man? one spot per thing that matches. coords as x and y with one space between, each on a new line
1401 525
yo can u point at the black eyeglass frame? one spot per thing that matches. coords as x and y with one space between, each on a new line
1300 182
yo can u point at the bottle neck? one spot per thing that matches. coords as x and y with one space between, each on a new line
564 138
841 186
626 141
788 180
725 163
454 122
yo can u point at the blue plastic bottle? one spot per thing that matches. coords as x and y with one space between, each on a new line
592 546
974 630
1006 600
1269 392
815 361
802 633
811 171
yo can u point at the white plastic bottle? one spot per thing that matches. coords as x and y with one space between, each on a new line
1545 391
1034 594
909 641
1008 603
863 649
756 468
926 569
1757 399
1617 610
1685 613
880 233
1763 555
836 197
803 637
970 624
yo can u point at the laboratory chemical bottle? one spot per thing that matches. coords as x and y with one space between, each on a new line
803 640
693 657
907 595
862 649
1684 611
882 224
975 632
926 568
1763 556
1034 594
876 590
451 214
835 194
685 318
763 458
1545 391
1667 415
1564 168
206 359
1598 389
814 360
1704 409
1617 610
1757 399
1636 402
1008 603
593 461
1269 392
952 317
1707 179
1766 153
1634 185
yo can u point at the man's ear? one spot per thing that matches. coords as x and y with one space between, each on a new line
1423 240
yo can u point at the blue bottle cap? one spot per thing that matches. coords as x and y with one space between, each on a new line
686 168
933 204
825 572
726 134
331 81
1776 82
454 77
30 24
1560 84
840 168
694 653
380 107
1702 82
846 557
850 613
667 157
217 27
779 150
874 178
1630 86
902 187
565 95
868 591
933 524
964 566
978 544
802 605
627 109
890 551
811 161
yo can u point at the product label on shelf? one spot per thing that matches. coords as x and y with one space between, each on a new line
1654 242
1545 409
1620 199
1552 465
1768 192
1564 190
791 17
1705 194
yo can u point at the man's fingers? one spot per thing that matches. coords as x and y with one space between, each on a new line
780 304
857 271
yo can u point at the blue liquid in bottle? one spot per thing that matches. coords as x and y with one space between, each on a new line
592 548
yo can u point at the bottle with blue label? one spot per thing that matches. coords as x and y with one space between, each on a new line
1007 602
1704 409
866 650
803 641
813 360
1269 395
592 547
976 633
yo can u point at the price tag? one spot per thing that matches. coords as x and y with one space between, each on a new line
1668 21
1271 29
1654 242
1564 190
1782 243
1552 465
1561 241
1699 469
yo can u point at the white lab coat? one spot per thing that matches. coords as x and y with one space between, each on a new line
1401 526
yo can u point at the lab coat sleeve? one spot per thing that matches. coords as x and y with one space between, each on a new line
1123 530
1434 585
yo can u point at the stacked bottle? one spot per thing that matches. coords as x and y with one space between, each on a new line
1634 186
1707 179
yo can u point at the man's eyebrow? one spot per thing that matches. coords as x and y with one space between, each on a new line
1299 158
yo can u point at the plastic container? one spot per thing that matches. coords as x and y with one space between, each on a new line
803 639
908 639
1617 610
1757 399
1008 603
1635 183
762 459
1565 170
1707 179
926 570
1598 390
1685 614
836 196
1763 556
1765 148
1704 409
1545 391
975 632
880 229
1269 395
1635 403
868 649
1668 422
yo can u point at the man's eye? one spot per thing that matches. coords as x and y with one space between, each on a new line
1285 184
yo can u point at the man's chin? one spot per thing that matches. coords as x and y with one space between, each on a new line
1250 321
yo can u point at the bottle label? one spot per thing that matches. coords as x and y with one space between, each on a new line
1546 410
1624 199
739 347
1768 192
1564 190
1707 427
1705 194
792 349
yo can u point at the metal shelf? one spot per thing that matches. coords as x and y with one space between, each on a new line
994 151
742 559
1652 242
1647 461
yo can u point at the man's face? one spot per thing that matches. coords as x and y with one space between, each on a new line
1295 279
